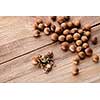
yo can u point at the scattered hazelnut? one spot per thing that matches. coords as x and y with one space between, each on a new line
54 36
73 30
47 23
47 31
87 27
84 38
58 29
61 38
52 28
64 25
53 18
39 21
72 48
41 26
76 60
79 42
70 24
66 32
87 33
80 31
76 23
88 51
81 55
95 58
85 45
36 33
79 49
60 19
75 70
94 40
69 38
76 36
65 46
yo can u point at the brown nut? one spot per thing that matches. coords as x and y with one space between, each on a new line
76 36
70 24
94 40
52 27
87 33
88 51
84 38
64 25
72 48
85 45
65 46
41 26
36 33
61 38
69 38
58 30
53 18
80 31
75 70
95 58
50 54
79 42
81 55
76 60
76 23
67 17
47 31
87 27
54 36
60 19
73 30
79 49
47 23
66 32
39 21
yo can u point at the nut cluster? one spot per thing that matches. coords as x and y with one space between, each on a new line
44 62
71 36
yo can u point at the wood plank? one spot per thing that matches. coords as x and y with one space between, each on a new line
22 70
16 36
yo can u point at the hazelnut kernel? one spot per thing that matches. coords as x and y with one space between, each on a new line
76 23
81 55
64 25
72 48
94 40
53 18
79 49
95 58
41 26
79 42
75 70
65 46
61 38
80 31
88 51
84 38
36 33
87 33
69 38
54 36
73 30
47 31
70 24
85 45
66 32
76 60
76 36
58 29
60 19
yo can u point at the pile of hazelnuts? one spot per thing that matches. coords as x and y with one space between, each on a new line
71 35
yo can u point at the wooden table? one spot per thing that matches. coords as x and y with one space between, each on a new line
17 46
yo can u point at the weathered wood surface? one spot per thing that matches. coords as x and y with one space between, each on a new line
17 46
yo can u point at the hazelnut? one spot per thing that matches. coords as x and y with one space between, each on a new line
60 19
76 60
76 23
47 31
80 31
67 18
87 33
76 36
69 38
85 45
35 60
41 26
65 46
72 48
73 30
81 55
94 40
88 51
79 49
39 21
50 54
53 18
75 70
70 24
52 27
47 23
95 58
36 33
87 27
66 32
79 42
61 38
84 38
54 36
64 25
58 29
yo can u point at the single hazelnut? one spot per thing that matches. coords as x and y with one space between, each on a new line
41 26
87 27
64 46
94 40
64 25
39 21
72 48
58 29
76 23
84 38
47 31
66 32
95 58
53 18
47 23
52 27
61 38
60 19
70 24
36 33
76 36
75 70
81 55
80 31
79 42
73 30
76 60
88 51
85 45
79 49
87 33
69 38
54 36
67 17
